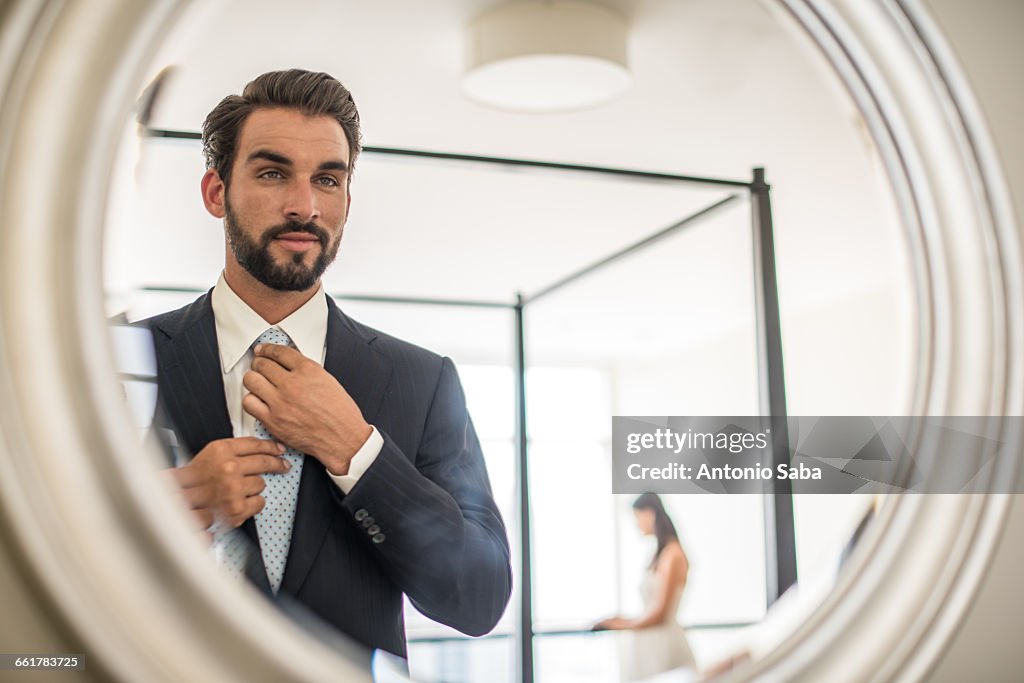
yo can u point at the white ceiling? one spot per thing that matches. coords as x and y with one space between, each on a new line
720 86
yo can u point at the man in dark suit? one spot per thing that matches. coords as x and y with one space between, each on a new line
345 454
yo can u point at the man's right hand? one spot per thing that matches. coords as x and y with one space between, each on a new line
225 479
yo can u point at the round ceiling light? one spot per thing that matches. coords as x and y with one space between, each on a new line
547 56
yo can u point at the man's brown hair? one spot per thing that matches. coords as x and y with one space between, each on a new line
312 93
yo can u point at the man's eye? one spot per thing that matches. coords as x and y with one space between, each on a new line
330 181
271 174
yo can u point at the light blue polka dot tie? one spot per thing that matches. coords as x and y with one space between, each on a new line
274 523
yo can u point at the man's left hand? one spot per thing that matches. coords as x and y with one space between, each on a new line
304 406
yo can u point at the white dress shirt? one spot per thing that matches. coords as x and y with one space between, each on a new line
238 327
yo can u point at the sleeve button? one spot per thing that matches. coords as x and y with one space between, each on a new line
361 514
379 538
367 522
373 530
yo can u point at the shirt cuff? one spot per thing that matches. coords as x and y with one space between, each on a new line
360 462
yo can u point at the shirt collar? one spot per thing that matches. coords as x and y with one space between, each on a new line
238 326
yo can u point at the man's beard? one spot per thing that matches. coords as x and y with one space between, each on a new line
256 258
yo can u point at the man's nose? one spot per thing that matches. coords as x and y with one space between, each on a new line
301 205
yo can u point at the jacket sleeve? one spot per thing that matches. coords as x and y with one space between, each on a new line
434 524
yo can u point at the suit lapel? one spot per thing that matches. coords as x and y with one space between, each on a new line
351 358
191 382
192 389
364 373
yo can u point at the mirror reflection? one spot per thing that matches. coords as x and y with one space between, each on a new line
341 411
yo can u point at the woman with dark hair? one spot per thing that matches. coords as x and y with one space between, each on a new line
655 642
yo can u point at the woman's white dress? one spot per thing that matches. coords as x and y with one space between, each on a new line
646 652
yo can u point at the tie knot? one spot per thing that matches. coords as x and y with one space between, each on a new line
274 336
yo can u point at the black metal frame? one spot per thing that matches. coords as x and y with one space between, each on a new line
780 545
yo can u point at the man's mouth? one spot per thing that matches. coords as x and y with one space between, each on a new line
297 241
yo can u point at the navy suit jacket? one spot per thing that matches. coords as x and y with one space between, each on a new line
439 537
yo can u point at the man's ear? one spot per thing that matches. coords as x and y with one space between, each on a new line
213 193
